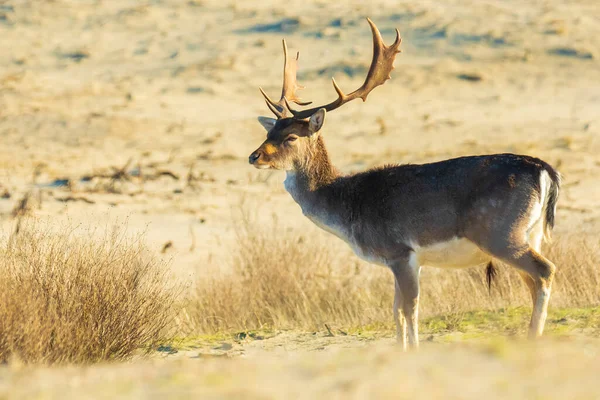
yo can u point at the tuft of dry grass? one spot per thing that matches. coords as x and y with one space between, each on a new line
283 281
77 296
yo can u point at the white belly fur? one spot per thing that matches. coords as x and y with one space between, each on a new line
455 253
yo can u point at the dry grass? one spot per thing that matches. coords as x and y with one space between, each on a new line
284 281
73 297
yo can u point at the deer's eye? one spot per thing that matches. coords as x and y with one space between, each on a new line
291 138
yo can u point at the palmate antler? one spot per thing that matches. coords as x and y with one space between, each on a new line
290 85
381 67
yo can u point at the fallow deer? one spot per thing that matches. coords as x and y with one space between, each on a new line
462 212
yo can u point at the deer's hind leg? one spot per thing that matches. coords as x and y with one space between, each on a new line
536 270
539 275
540 296
511 230
535 237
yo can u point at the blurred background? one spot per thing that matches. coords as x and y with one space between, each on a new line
147 110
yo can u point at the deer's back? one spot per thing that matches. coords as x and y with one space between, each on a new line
406 206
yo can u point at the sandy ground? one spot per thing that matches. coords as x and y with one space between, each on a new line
356 369
145 112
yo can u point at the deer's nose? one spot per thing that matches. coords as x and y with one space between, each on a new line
253 157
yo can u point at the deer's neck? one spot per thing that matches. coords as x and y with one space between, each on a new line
310 184
316 172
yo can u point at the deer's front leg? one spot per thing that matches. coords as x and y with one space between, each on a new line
406 271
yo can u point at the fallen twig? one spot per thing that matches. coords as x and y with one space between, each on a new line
75 198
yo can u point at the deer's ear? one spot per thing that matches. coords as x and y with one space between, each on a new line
267 123
316 121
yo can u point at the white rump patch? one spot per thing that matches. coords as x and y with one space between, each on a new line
535 227
538 208
536 215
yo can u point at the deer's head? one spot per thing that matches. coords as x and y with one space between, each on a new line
293 134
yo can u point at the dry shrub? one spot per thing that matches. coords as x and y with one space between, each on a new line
286 281
73 296
280 280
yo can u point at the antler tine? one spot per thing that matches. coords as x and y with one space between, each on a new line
290 86
379 71
274 110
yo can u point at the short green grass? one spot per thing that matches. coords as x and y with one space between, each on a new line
514 321
464 326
